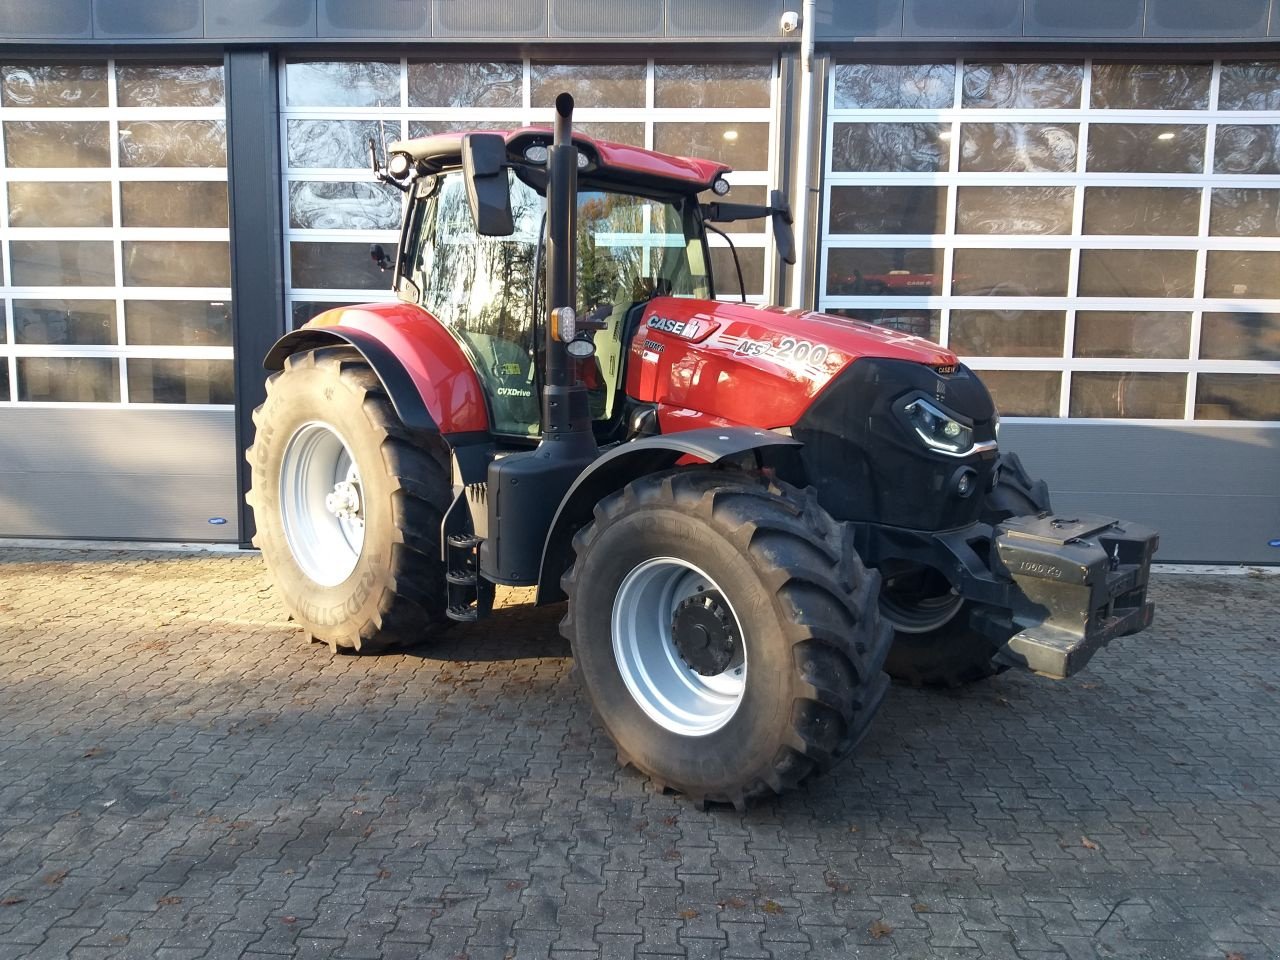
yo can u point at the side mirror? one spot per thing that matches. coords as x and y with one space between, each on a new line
484 158
783 235
379 256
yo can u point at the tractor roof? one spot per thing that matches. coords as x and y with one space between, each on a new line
608 163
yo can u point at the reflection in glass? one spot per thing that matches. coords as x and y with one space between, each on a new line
341 205
1142 211
180 381
888 209
725 276
169 85
336 143
1010 273
1007 333
867 272
1248 274
173 143
918 323
1014 210
1018 147
1022 85
1238 396
68 380
712 84
1137 273
632 133
1137 396
908 147
337 266
1244 212
70 203
69 322
53 85
1113 333
429 128
591 84
303 310
1249 85
1247 149
743 146
740 193
910 86
176 263
62 263
1146 148
1024 393
1240 336
56 143
1151 86
342 83
176 203
177 323
465 84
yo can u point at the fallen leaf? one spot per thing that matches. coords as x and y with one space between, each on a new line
168 901
383 873
288 919
55 878
771 907
879 929
1088 844
12 901
835 884
515 884
1235 956
919 908
670 821
853 829
671 855
92 752
735 903
687 914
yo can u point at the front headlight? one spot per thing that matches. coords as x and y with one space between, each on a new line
939 431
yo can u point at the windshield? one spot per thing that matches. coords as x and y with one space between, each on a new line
487 289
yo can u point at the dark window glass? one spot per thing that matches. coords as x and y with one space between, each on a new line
1138 396
178 263
183 323
862 272
4 338
888 209
1145 148
53 85
56 143
1247 274
1112 333
72 322
180 381
725 276
62 263
177 203
1249 86
1018 147
1142 211
1022 85
1251 149
342 83
69 379
1151 86
1238 396
712 84
1011 273
911 86
631 133
1245 212
743 146
1024 393
918 323
173 143
466 84
4 378
1240 336
64 204
169 85
1014 210
343 205
1137 273
591 84
339 266
305 310
906 147
1007 333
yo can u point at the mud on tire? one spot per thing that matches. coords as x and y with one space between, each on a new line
395 595
811 633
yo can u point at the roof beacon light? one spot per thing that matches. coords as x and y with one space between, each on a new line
399 165
720 186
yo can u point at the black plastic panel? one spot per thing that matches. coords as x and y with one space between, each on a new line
292 19
372 18
141 19
488 18
22 19
1198 18
867 18
1083 18
727 18
990 19
596 18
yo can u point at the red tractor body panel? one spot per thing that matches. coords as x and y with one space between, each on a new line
434 360
707 363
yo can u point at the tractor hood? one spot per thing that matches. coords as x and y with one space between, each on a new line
707 363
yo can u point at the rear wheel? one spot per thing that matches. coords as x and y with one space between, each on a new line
933 644
347 502
726 633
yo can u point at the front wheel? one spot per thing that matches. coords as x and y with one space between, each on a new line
726 633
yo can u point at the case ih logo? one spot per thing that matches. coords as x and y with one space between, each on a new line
694 329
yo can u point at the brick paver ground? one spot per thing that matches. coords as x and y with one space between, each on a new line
180 777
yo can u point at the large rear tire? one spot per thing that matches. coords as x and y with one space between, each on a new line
726 633
933 645
348 503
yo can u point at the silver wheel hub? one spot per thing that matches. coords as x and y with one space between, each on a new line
321 503
685 668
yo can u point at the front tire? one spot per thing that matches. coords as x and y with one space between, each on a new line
726 633
348 503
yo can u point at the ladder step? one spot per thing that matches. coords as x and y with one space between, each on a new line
462 614
461 578
464 541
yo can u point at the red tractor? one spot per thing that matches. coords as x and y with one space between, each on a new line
757 515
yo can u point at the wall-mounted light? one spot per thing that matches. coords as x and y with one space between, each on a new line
731 135
1165 136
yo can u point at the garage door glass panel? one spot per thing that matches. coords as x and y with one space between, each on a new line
889 86
341 204
176 203
56 143
184 323
632 133
1249 86
1014 210
1250 274
68 322
1142 211
1240 336
1022 85
1137 273
53 85
68 204
1238 396
173 143
1130 396
1018 147
1245 212
342 83
1008 333
169 85
880 209
705 85
867 271
1248 149
1151 86
918 323
181 381
183 263
334 143
343 265
1024 393
62 263
590 84
1011 273
68 379
1148 335
465 84
912 147
743 146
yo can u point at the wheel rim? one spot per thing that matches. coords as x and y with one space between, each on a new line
669 690
918 600
322 503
